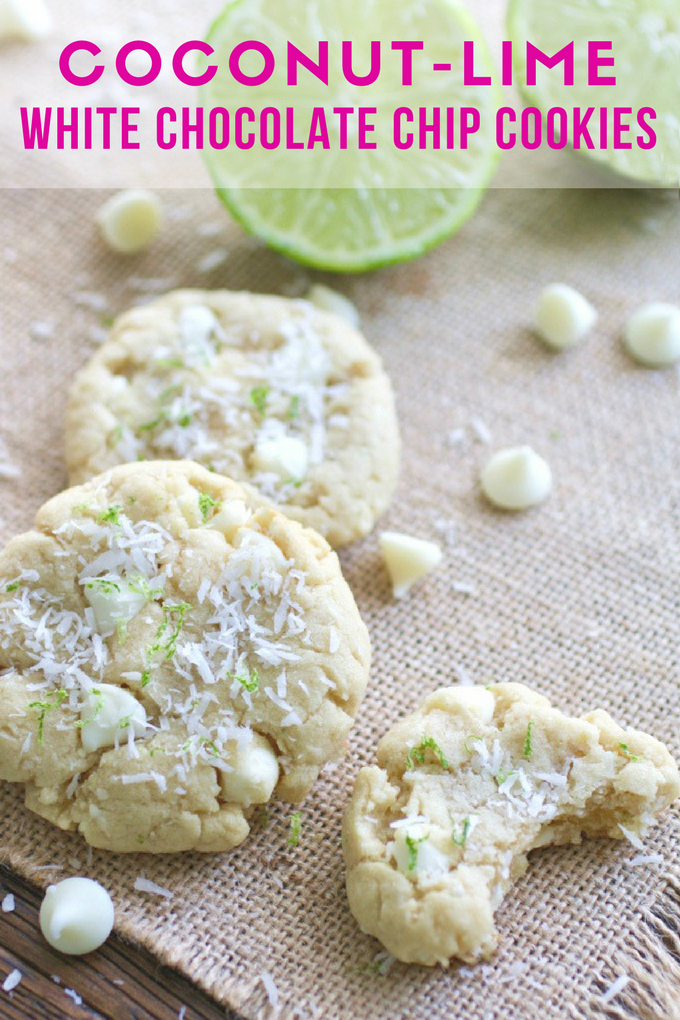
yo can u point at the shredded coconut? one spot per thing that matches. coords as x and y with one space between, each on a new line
7 470
212 260
12 980
89 299
632 837
151 284
142 884
413 820
270 988
382 962
447 528
481 430
614 989
42 330
454 437
641 859
8 904
72 994
462 675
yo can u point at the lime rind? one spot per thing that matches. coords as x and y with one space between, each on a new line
392 224
657 167
242 205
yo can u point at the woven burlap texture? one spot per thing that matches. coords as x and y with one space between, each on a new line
579 598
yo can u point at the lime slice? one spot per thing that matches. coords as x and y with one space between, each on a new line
353 209
645 37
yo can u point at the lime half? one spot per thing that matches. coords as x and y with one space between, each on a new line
645 37
351 209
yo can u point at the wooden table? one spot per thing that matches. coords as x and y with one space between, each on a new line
119 981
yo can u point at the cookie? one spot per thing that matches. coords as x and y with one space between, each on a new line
172 654
263 389
438 831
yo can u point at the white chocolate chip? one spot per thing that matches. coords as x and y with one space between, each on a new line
254 776
328 300
130 220
230 517
76 916
109 713
563 316
113 602
407 559
285 456
516 478
264 552
652 335
475 701
416 856
24 20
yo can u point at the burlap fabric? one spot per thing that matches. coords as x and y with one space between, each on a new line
579 599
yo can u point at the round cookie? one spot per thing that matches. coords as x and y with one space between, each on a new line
438 831
172 653
263 389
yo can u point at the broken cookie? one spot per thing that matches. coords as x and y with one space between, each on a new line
438 831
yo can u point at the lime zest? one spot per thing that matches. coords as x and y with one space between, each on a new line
417 754
140 586
169 362
502 776
295 829
111 515
114 438
45 706
627 753
258 397
169 646
412 844
472 736
251 683
105 584
206 503
170 391
462 839
528 750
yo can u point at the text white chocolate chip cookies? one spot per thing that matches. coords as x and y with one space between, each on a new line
171 654
438 831
262 389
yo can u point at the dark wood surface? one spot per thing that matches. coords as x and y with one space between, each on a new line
118 982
